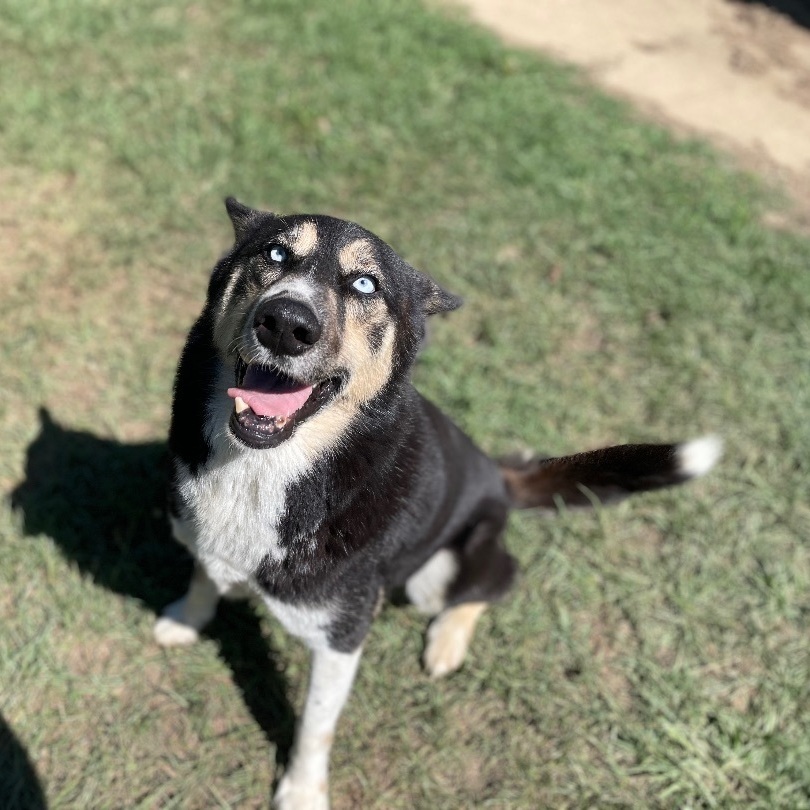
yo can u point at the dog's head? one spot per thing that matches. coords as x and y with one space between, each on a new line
316 316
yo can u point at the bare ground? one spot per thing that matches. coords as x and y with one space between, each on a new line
736 72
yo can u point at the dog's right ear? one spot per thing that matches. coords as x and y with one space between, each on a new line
439 300
241 216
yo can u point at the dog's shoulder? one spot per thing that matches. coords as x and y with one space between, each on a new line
398 486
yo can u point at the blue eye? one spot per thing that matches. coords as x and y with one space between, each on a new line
277 254
365 284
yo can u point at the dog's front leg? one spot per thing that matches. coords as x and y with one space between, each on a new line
182 620
305 784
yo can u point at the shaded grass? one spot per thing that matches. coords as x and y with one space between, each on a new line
619 286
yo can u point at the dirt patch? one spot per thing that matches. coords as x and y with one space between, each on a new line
737 72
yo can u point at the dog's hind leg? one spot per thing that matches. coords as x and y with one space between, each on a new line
427 588
305 784
182 620
449 637
458 583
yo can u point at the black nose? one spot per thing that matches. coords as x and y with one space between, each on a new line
286 326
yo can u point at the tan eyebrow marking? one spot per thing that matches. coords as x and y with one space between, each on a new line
357 255
304 238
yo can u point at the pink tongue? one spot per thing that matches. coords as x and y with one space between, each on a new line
263 404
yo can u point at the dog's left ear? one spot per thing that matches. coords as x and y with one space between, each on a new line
439 300
241 216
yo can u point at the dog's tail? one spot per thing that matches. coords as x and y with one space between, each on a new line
606 475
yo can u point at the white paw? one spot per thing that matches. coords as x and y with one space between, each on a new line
169 632
292 796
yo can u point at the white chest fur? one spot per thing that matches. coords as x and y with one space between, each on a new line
235 503
237 498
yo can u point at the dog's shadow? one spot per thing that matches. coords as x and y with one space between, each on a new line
103 502
19 785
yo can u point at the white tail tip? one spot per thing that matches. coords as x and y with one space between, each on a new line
700 455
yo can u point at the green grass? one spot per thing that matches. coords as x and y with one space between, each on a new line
619 286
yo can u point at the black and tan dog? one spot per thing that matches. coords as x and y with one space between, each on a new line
309 471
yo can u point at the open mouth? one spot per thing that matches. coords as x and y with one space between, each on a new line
268 404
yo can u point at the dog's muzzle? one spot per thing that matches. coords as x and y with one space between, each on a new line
276 392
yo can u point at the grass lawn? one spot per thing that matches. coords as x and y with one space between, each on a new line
619 286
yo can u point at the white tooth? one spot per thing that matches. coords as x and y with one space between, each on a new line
240 405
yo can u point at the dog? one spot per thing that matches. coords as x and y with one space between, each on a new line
308 471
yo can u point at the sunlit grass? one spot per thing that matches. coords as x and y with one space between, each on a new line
619 286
